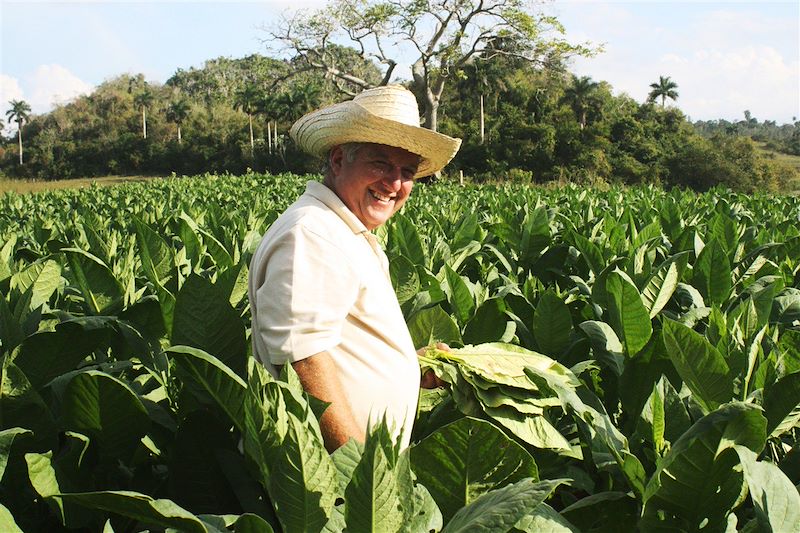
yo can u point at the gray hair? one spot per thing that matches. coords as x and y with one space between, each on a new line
350 150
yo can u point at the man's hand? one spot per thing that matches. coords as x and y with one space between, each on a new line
318 376
429 379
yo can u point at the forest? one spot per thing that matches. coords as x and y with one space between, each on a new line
521 121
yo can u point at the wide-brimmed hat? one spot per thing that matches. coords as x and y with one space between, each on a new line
384 115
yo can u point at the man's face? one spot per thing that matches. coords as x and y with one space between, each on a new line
376 184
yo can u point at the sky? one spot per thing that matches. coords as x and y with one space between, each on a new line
725 56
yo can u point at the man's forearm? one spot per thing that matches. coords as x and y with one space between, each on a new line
318 376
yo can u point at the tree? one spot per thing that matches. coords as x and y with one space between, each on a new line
580 97
142 100
443 36
247 99
664 88
177 112
19 113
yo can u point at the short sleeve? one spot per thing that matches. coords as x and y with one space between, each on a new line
309 288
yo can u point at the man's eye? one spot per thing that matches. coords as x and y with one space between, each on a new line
382 166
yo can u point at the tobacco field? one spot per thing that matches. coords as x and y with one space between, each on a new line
623 360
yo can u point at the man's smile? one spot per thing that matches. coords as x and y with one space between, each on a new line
383 198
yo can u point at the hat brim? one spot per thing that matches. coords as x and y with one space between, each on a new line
319 131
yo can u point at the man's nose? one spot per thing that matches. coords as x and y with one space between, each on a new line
394 180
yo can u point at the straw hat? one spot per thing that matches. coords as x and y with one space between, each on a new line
384 115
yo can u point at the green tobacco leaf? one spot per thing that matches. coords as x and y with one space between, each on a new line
346 458
49 479
461 299
545 519
489 324
233 282
42 278
535 236
535 430
11 333
500 509
465 459
158 513
627 314
7 522
22 406
786 306
603 512
423 515
606 346
699 364
723 229
211 376
782 404
405 278
373 496
205 319
776 500
789 348
552 324
590 252
696 482
189 236
251 523
303 482
46 355
466 231
662 284
158 261
107 410
102 292
222 258
404 235
712 273
433 325
7 437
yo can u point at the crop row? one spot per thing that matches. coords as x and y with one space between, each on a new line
623 358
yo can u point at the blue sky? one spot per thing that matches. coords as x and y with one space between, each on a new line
725 56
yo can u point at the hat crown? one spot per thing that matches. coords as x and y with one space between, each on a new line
392 102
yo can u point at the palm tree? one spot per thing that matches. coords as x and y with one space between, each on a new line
143 100
580 97
177 112
19 113
247 99
665 88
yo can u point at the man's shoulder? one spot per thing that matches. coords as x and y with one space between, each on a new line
310 216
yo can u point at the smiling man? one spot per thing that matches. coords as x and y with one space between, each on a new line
319 287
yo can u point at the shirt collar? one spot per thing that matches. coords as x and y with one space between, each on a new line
321 192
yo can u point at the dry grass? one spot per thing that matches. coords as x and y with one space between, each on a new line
792 161
27 186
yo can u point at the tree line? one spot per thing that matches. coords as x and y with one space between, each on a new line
494 74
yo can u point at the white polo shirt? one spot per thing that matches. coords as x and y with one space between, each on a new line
319 282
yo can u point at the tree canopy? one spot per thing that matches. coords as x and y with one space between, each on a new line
519 122
440 36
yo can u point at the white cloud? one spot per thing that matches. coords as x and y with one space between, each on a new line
723 60
50 85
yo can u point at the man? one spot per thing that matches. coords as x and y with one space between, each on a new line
319 287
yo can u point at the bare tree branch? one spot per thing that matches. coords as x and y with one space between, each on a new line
445 35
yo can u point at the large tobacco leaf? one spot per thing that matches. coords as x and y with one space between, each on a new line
467 458
501 509
700 365
699 480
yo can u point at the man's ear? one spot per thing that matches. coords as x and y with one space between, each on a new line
336 158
